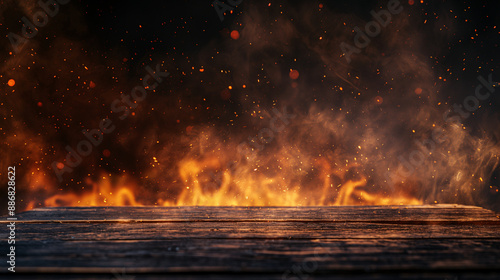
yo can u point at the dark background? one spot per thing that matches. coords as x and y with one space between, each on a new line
439 46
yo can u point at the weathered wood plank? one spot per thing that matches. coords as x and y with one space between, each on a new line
264 256
120 275
381 242
454 213
248 230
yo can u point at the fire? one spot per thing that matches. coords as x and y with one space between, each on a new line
216 177
241 185
103 193
240 189
297 165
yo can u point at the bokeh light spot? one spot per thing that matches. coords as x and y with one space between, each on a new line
106 153
235 35
225 94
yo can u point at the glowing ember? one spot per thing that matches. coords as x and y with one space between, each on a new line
294 74
225 94
106 153
235 35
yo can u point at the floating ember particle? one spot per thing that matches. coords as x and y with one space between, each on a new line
92 84
418 90
411 2
494 189
202 70
235 35
11 82
60 165
294 74
321 6
106 153
39 104
379 100
225 94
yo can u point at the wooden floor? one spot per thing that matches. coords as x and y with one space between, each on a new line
387 242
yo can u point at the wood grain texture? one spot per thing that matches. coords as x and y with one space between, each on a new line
379 242
455 213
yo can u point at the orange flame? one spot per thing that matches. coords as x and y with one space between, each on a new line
246 187
103 194
213 173
240 186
